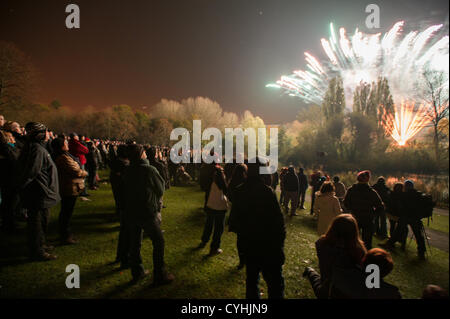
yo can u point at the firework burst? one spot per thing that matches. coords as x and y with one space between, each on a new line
406 121
366 57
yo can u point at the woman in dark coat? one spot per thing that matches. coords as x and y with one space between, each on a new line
71 184
341 247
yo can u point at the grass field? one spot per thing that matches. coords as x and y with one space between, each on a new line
197 276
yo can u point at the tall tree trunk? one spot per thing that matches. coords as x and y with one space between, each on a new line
436 142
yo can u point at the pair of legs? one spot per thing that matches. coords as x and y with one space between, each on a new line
37 224
65 215
84 192
402 229
240 250
135 229
282 194
8 207
293 198
313 198
301 198
123 245
366 228
381 224
215 220
273 275
92 178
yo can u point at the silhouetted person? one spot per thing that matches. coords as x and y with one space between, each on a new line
143 189
260 225
238 178
291 188
216 208
303 181
363 202
37 181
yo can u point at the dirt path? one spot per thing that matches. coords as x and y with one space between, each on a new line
437 239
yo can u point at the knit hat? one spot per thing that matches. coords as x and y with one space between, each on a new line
409 184
363 177
34 128
36 131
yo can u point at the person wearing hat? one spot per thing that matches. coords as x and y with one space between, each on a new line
363 202
37 183
408 216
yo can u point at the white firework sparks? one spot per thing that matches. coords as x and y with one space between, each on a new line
366 57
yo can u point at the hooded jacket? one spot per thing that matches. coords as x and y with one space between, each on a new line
78 150
37 177
362 200
143 188
257 218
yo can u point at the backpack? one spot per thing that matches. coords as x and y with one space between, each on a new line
425 206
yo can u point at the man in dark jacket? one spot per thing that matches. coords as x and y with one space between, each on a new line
37 181
303 186
118 166
380 218
143 189
409 215
363 202
260 226
316 182
92 165
206 179
291 188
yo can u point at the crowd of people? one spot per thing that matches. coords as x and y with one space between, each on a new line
40 168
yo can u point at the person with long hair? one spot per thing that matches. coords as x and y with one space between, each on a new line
327 207
239 176
71 184
340 247
216 208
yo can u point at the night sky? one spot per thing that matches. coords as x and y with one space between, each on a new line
138 52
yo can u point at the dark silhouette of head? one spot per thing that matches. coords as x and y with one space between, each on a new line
381 258
327 187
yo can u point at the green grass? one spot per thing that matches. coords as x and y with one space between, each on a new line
197 276
439 222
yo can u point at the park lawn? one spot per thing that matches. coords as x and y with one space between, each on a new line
439 222
197 276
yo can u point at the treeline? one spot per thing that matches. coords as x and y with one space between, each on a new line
122 122
332 137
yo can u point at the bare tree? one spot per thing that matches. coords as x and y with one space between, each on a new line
17 78
436 94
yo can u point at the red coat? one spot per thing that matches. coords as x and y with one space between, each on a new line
78 150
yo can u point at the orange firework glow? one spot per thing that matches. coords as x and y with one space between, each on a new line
406 121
